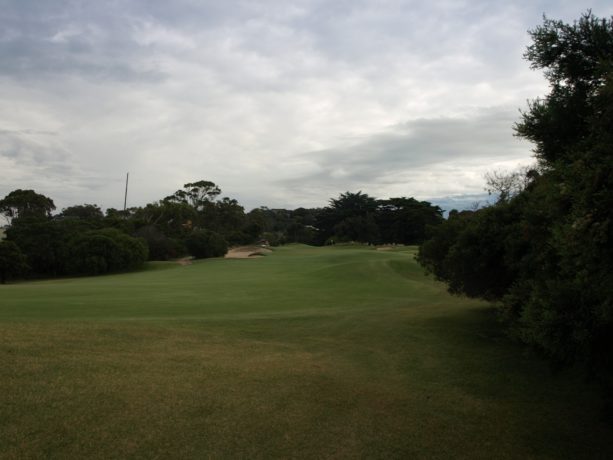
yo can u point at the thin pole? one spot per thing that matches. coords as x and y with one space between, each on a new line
125 198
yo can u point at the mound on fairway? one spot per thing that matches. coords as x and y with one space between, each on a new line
340 352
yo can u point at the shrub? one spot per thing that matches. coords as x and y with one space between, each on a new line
12 261
103 251
160 246
203 244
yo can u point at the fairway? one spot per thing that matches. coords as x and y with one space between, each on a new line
337 352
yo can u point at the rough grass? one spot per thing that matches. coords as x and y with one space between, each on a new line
307 353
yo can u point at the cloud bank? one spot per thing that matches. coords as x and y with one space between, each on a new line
280 103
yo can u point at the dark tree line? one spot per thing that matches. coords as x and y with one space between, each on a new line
361 218
545 250
39 244
194 221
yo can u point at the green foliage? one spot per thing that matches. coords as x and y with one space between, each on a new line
357 228
160 246
406 220
12 261
75 246
203 244
83 212
104 251
173 219
226 217
547 252
43 242
197 194
361 218
577 61
26 204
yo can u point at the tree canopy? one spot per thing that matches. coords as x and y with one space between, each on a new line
26 204
545 251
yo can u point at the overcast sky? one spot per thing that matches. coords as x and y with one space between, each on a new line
280 103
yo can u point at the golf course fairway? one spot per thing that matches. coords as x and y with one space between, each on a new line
336 352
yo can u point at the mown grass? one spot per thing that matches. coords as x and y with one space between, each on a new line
306 353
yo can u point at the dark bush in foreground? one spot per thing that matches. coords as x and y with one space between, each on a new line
203 244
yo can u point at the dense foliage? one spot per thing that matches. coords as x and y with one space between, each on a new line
54 247
546 252
359 217
204 243
26 203
194 221
12 261
102 251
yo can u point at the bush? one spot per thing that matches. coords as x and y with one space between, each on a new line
203 244
160 246
42 242
103 251
12 261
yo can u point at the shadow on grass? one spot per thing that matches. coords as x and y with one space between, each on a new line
554 413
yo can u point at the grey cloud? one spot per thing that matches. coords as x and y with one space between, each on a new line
29 152
415 145
254 83
27 132
58 38
47 167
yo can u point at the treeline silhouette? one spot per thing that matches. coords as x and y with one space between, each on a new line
193 221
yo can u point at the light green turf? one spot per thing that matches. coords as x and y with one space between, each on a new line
342 352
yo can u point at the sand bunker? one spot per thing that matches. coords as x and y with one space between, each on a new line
184 261
247 252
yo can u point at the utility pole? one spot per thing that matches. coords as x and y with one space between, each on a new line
125 198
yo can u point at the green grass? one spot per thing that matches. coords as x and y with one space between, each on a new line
339 352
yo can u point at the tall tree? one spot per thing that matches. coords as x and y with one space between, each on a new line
406 220
26 204
350 217
197 194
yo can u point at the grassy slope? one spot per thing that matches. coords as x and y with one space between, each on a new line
330 352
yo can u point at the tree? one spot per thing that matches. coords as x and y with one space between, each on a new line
160 246
350 217
83 212
12 261
103 251
565 308
577 60
551 243
173 219
26 204
353 204
197 194
203 244
406 220
43 241
507 184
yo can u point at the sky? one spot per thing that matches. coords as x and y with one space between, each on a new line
282 104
